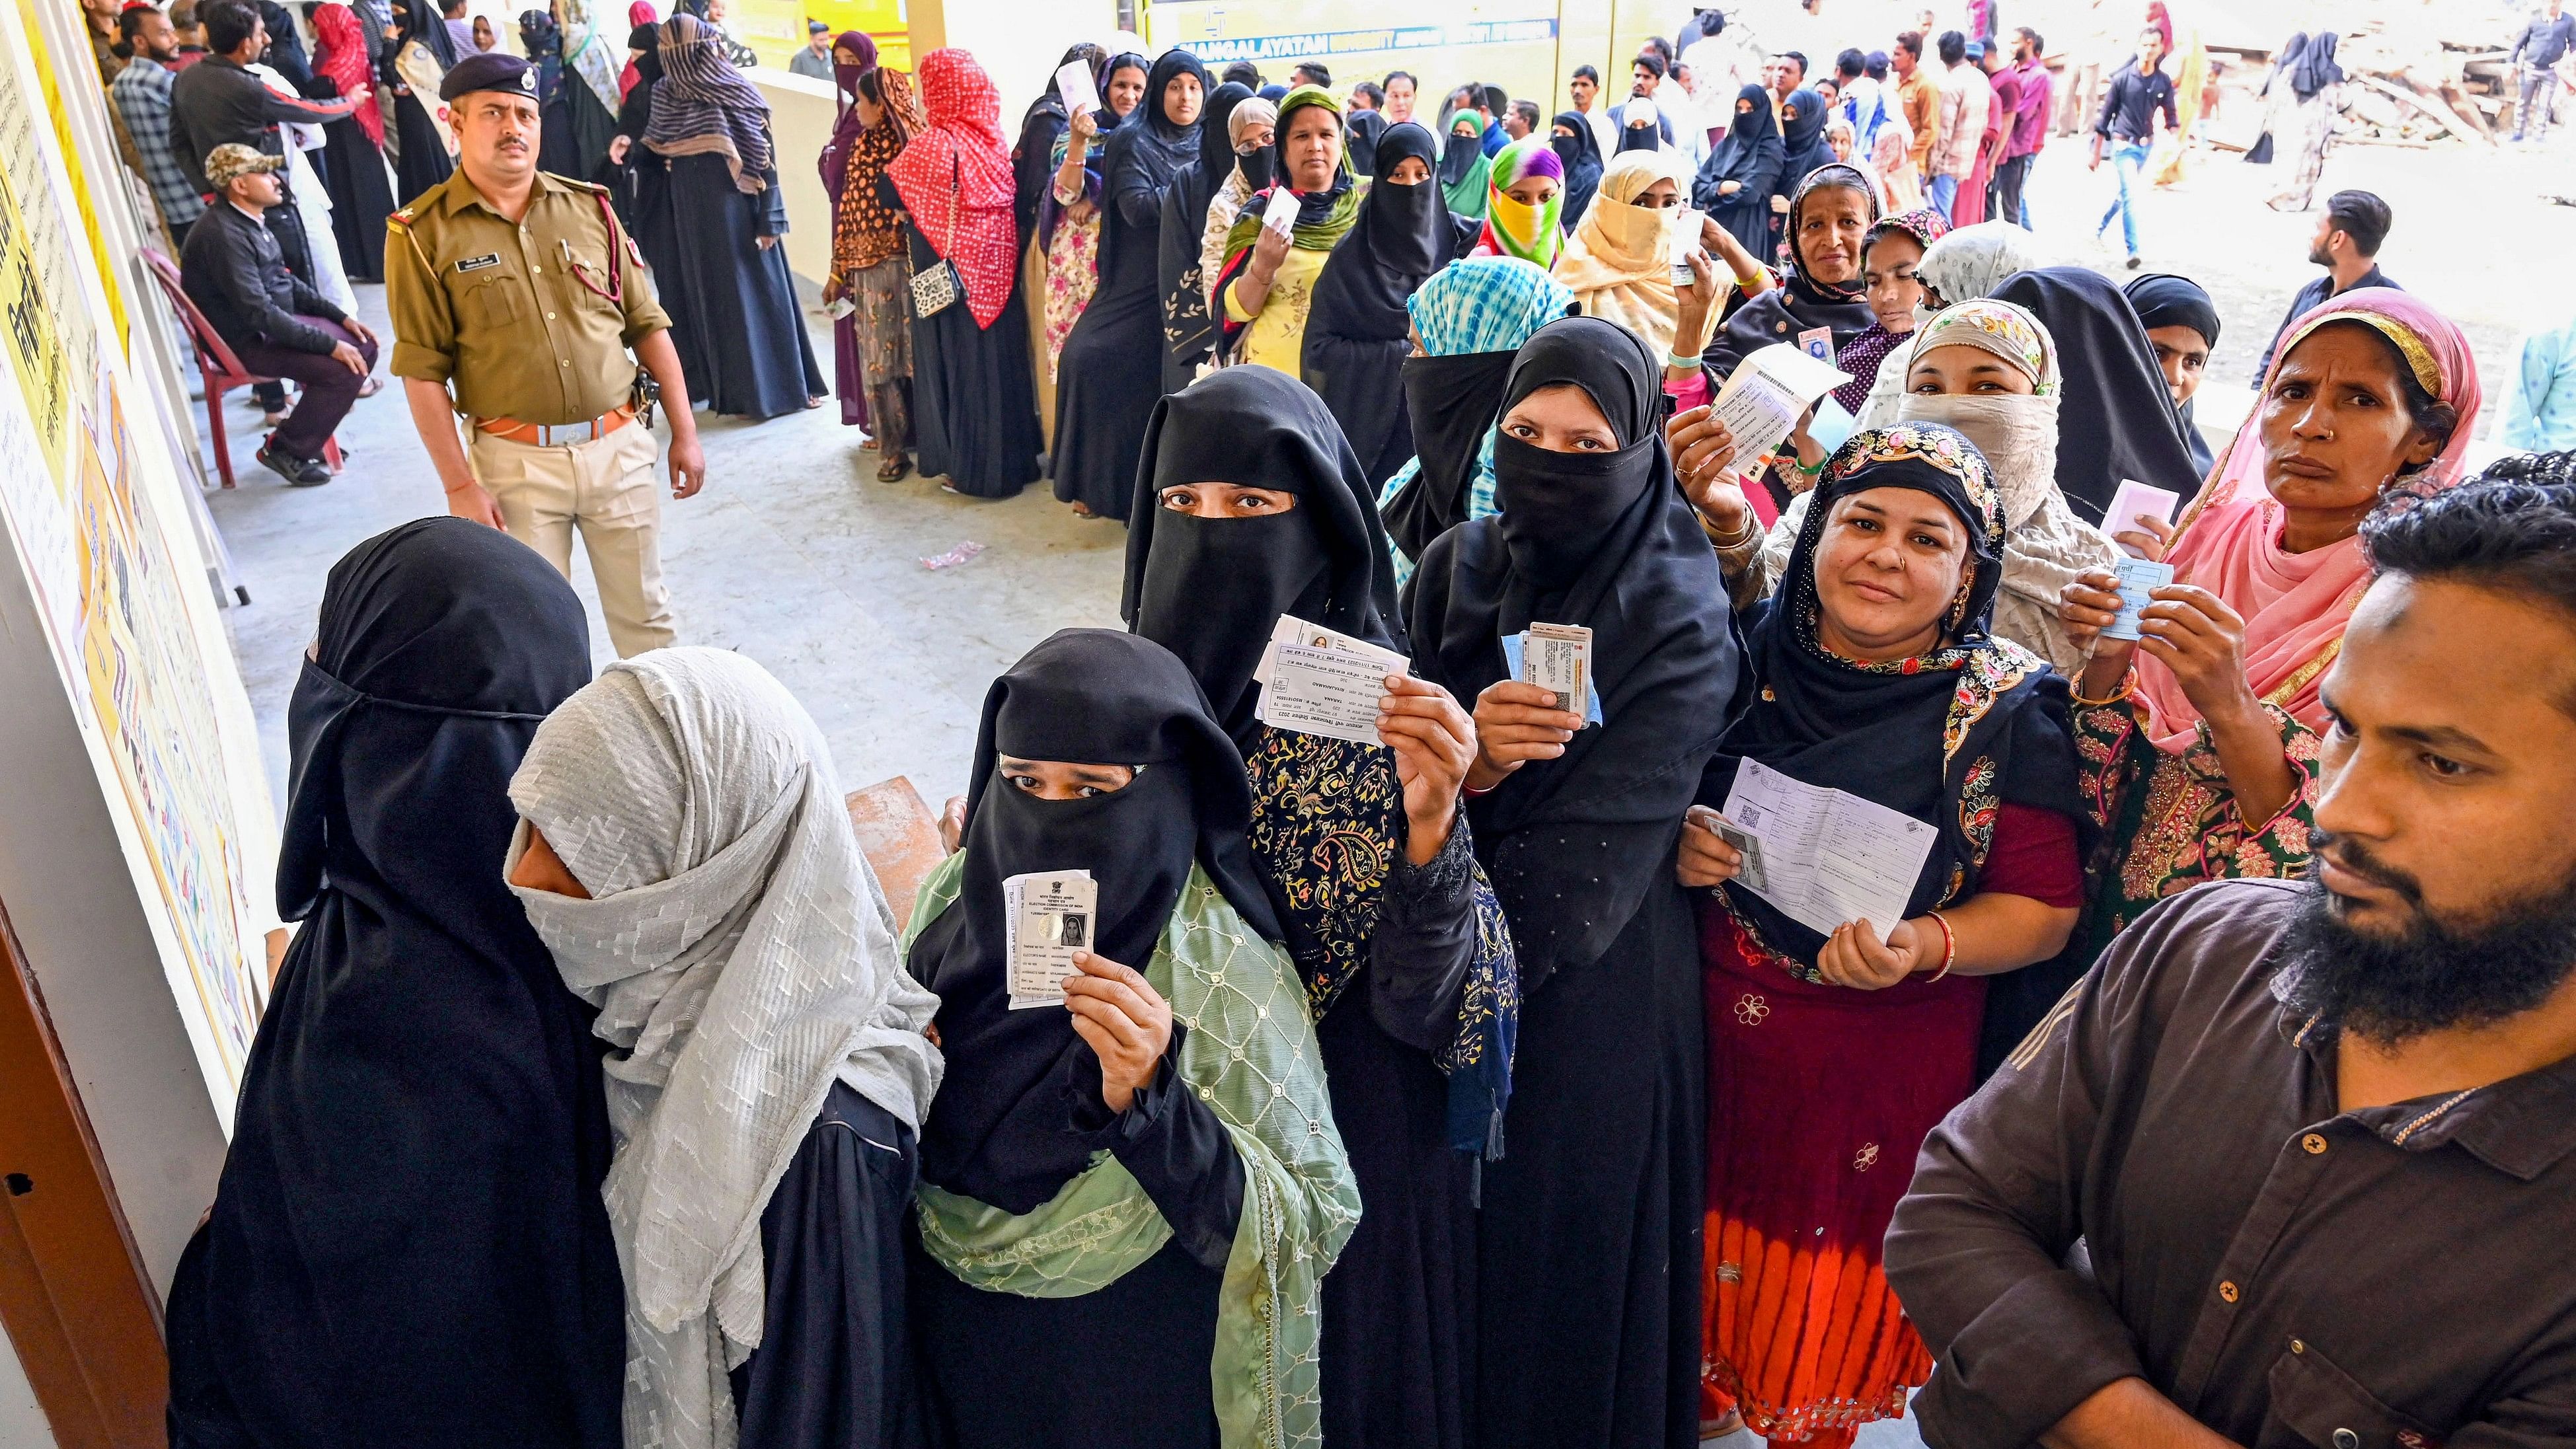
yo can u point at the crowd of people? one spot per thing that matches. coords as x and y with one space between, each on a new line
1496 1076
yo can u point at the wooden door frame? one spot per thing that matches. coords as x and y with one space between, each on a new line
78 1304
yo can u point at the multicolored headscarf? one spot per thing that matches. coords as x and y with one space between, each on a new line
1514 228
2002 329
704 106
865 231
1323 217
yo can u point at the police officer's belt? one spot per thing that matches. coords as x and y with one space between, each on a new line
557 435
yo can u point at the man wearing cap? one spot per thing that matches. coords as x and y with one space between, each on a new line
814 62
278 326
516 300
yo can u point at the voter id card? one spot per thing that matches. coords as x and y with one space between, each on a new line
1558 659
1049 918
2139 578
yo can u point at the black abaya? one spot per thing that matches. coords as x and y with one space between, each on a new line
361 198
974 398
422 160
1588 1258
826 1376
1358 331
1189 330
1111 369
408 1245
2129 426
734 298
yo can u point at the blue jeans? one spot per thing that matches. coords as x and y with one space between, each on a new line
2129 161
1945 194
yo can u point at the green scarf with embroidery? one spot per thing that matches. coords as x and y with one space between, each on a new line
1250 1054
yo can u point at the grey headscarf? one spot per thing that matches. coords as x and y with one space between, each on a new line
742 957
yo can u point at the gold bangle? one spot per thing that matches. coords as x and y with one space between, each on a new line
1742 536
2127 687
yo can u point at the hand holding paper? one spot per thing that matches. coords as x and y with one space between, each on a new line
1766 395
1073 83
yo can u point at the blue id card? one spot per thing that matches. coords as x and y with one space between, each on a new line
1512 670
2138 578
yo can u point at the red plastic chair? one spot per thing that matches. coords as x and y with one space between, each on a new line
222 370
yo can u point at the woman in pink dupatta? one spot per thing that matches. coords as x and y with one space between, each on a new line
2200 743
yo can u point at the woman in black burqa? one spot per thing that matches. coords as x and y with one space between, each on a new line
1179 277
1588 1256
408 1246
1111 370
1396 934
2130 426
1357 332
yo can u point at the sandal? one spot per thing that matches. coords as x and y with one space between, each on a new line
371 386
1083 510
893 469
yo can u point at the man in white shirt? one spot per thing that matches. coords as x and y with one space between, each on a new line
1586 89
1966 97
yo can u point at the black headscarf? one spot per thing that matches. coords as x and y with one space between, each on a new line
1458 156
1802 140
1357 327
1145 152
1751 155
2315 67
1188 329
1000 1129
420 20
2129 427
1942 737
1361 134
410 1214
1580 154
1603 540
2164 300
1032 161
1800 301
1210 590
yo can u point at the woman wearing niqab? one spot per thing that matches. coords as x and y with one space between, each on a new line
1188 329
1803 148
1111 370
1752 157
1393 929
541 39
974 408
410 1211
1472 318
1588 1260
1145 1275
1465 170
1357 326
1570 137
734 317
688 859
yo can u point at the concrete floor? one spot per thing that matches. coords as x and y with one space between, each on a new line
793 554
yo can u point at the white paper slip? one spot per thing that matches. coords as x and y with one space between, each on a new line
1323 692
1758 413
1827 856
1074 84
2138 578
2135 498
1798 373
1281 213
1047 918
1685 242
1292 630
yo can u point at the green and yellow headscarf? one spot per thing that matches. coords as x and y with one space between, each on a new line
1513 228
1464 167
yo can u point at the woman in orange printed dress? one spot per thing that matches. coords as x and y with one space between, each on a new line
1833 1050
2200 739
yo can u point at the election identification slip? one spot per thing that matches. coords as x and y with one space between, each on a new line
1047 918
2139 579
1320 681
1823 856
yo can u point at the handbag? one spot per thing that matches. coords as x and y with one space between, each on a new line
937 290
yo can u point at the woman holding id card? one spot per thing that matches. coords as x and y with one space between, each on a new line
1587 1252
1132 1182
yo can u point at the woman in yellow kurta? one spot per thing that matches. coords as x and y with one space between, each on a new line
1268 282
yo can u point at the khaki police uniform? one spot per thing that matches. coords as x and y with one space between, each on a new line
529 326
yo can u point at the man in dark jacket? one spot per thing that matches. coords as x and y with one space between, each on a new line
219 102
273 321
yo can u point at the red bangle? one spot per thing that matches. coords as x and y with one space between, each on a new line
1949 947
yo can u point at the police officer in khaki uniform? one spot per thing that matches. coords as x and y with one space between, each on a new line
516 301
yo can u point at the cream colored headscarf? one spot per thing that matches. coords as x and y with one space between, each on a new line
742 958
1619 262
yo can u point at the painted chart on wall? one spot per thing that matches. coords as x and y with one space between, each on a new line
112 570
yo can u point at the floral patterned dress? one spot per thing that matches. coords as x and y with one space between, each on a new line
1072 255
2169 821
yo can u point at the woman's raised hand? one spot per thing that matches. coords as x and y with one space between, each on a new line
1435 744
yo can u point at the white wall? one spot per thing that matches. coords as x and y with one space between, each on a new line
22 1424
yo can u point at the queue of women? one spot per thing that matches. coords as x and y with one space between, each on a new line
1451 1088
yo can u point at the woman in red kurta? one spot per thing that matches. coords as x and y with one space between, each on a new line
1834 1048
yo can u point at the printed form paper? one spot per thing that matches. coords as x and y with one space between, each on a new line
1323 692
1764 397
1826 857
1073 84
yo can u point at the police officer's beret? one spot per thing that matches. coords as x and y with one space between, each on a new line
490 71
